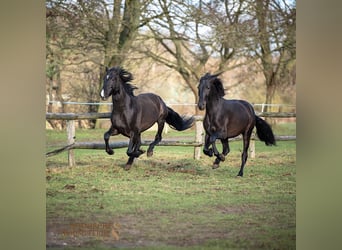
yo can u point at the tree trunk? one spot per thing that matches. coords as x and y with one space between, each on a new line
119 38
49 110
270 90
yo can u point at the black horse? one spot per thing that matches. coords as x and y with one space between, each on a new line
226 119
131 115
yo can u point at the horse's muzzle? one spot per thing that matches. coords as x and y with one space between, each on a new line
102 95
201 106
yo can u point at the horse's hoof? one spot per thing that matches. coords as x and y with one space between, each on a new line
215 166
208 152
140 152
110 152
240 175
221 157
149 153
128 167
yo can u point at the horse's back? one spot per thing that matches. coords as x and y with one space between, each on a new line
239 107
152 107
239 116
150 100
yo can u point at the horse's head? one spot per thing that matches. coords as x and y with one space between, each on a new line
209 85
110 84
114 80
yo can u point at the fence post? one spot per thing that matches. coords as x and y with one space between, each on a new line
252 145
71 140
198 139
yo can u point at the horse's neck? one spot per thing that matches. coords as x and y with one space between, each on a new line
121 101
213 104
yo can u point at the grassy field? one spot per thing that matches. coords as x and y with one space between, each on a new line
171 201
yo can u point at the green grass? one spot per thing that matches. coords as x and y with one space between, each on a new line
284 128
171 201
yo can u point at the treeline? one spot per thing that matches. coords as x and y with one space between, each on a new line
172 41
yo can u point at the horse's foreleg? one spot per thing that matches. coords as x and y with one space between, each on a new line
216 163
220 157
133 150
225 151
157 138
225 148
206 150
210 140
134 145
109 133
129 163
216 152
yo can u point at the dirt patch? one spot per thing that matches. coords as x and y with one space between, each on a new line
182 169
168 231
243 209
61 232
143 229
152 228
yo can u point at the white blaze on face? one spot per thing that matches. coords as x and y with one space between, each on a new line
102 93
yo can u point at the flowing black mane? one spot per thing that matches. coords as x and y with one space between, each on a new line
125 77
218 90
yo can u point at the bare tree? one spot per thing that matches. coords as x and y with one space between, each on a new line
187 34
98 25
261 32
98 32
275 44
56 51
189 37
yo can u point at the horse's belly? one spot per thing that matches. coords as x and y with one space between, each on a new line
119 124
223 132
232 134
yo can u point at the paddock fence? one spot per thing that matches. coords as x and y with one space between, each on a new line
197 143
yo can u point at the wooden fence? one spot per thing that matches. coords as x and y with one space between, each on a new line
197 143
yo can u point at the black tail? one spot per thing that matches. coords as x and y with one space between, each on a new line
178 122
264 131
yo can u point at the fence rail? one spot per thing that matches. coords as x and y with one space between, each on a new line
197 143
85 116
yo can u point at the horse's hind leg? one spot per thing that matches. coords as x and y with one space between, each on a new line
157 138
244 155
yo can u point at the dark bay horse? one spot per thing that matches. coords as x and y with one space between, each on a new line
131 115
226 119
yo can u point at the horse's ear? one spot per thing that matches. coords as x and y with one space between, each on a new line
217 74
107 69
